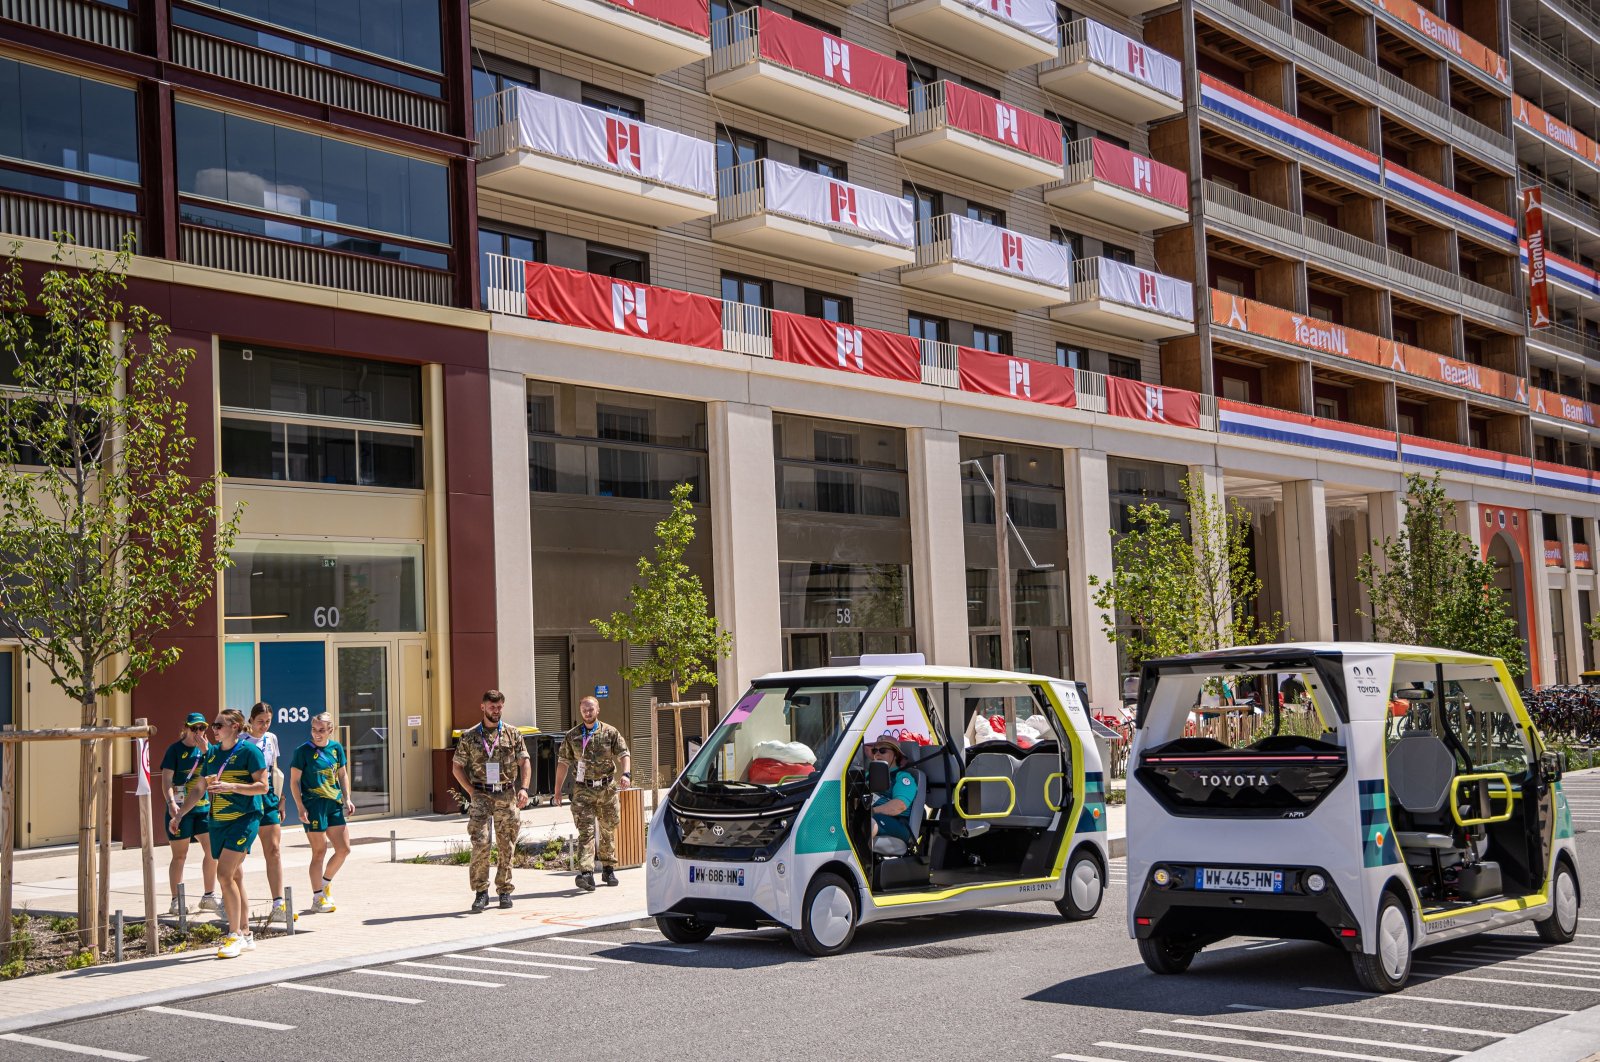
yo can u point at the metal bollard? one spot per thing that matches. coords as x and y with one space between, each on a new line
288 910
392 853
116 931
183 911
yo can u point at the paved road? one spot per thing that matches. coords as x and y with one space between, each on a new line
1008 984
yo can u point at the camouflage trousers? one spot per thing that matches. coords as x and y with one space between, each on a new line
591 808
501 811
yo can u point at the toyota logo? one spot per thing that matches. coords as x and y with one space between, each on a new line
718 830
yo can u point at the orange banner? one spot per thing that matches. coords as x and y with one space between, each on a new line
1270 322
1552 404
1580 555
1552 553
1554 130
1447 37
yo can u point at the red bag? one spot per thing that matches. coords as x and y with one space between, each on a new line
765 771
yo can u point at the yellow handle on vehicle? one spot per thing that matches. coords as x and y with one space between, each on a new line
1503 779
990 814
1051 804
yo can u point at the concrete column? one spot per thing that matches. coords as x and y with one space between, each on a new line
938 546
1094 657
1385 518
744 542
513 542
1303 559
1575 635
1543 626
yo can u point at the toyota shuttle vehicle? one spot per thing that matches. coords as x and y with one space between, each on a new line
1391 797
769 824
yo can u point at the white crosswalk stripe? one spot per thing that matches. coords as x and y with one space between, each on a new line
1237 1027
471 970
325 990
429 977
75 1049
1364 1020
227 1019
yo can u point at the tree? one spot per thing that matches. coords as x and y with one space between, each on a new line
1432 587
109 540
1183 592
668 611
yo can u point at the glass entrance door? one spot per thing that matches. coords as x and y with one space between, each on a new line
363 699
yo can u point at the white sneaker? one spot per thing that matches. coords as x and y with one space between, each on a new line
280 913
210 903
249 942
324 904
231 947
176 908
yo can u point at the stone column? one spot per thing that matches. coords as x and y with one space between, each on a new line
938 546
513 542
1094 657
1303 559
744 542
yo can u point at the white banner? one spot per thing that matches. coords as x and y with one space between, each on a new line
812 197
141 763
1134 58
570 130
1037 17
1141 287
1010 252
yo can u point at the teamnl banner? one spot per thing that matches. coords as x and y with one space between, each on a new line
815 198
691 15
568 130
587 300
1010 252
1009 126
1023 378
1142 287
1538 278
831 345
810 51
1448 37
1110 48
1123 168
1037 17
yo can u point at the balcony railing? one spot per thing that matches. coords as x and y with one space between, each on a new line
1542 53
1005 36
41 219
1567 338
943 103
1561 199
74 18
1005 254
773 207
1088 275
1086 44
1164 187
242 253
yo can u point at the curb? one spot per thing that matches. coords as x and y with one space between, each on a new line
102 1008
1117 845
1572 1038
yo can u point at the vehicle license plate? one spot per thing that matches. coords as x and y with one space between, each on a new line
716 876
1239 880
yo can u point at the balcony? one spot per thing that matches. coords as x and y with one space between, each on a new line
1113 184
1004 34
651 36
779 209
987 264
972 135
561 153
1127 301
771 63
1113 74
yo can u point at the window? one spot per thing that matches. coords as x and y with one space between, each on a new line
527 246
1231 285
1320 311
836 308
752 291
987 215
929 329
736 154
1117 254
1064 18
1127 368
619 263
492 74
407 31
278 586
1235 389
1326 408
630 446
823 166
925 206
1070 357
1115 141
1070 130
616 103
994 340
814 22
1070 240
55 128
980 87
918 76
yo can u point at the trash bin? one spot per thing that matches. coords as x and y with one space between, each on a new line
631 830
542 749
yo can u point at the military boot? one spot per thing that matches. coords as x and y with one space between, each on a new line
608 876
586 880
480 902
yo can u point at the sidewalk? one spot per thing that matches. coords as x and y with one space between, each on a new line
387 912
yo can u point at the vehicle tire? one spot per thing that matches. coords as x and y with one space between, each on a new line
1390 968
1164 956
1562 925
683 930
1085 888
827 918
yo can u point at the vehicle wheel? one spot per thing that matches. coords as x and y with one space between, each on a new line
683 930
1085 888
1562 925
828 917
1390 968
1165 956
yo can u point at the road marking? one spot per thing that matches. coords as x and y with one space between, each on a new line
1085 1058
629 944
1440 999
76 1049
228 1018
1295 1049
1369 1021
1315 1036
1508 981
428 977
1532 956
559 955
526 962
470 970
345 992
1515 966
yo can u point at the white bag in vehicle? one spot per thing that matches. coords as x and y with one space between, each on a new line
784 752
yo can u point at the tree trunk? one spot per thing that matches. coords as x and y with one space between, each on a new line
88 792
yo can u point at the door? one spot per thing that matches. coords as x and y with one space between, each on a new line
48 773
596 673
362 684
411 716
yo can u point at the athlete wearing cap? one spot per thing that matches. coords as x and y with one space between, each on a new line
891 811
180 768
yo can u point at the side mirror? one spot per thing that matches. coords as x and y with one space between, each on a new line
1553 764
878 777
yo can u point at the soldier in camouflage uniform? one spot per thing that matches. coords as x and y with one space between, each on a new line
492 764
597 756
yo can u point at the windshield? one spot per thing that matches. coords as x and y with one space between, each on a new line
778 736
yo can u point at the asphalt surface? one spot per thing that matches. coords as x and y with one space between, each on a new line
1013 983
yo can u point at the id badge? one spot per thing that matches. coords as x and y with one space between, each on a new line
581 766
491 774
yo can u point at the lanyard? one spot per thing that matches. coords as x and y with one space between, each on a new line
231 755
489 744
587 733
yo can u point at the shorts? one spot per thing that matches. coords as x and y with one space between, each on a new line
190 826
322 814
235 835
271 810
893 826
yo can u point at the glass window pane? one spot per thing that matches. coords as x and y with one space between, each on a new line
386 192
298 188
322 455
51 133
322 587
250 160
391 460
10 108
429 202
202 164
110 131
344 182
252 449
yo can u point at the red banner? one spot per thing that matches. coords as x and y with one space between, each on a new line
1152 402
1136 173
1538 280
572 297
1031 381
1580 555
1001 122
691 15
810 51
829 345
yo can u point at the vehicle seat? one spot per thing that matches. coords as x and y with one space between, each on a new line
939 764
990 798
1033 802
1421 771
885 845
